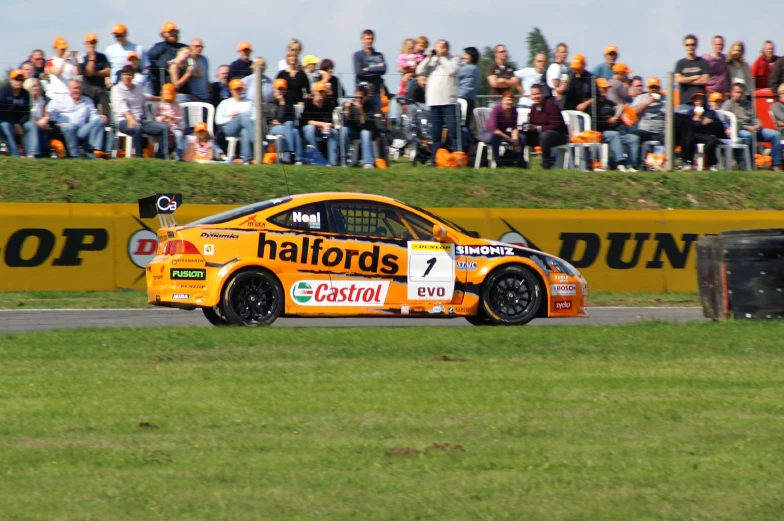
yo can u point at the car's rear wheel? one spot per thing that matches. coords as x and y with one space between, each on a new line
215 316
253 298
511 296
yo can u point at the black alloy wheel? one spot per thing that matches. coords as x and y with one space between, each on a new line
215 316
253 298
511 296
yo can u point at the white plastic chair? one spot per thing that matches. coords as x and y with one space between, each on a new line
733 143
576 122
194 112
481 115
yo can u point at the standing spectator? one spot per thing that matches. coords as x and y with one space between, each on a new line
77 119
500 76
236 116
749 125
717 62
15 114
309 64
531 76
636 87
266 83
501 127
38 59
199 83
618 92
118 52
95 69
60 68
161 54
764 64
370 67
468 82
558 73
359 123
293 45
406 64
39 116
28 69
180 72
614 131
328 76
691 73
128 107
169 113
283 123
606 70
579 86
737 68
220 88
546 126
242 66
139 78
317 121
650 108
441 94
297 81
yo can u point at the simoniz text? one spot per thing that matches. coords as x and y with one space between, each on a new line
486 251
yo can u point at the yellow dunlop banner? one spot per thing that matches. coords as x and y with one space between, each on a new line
99 247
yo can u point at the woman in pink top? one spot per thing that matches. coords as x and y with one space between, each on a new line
170 113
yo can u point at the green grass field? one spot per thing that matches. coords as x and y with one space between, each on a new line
648 421
23 180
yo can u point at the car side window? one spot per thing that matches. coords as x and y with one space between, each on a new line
310 217
378 220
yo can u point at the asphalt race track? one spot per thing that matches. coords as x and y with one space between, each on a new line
18 321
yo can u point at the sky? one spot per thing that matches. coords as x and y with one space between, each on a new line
648 35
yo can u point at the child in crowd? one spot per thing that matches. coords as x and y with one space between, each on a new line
201 147
170 113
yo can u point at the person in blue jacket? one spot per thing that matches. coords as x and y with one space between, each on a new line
370 67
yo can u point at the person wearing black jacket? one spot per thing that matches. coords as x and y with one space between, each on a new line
282 120
579 87
317 121
614 132
359 122
15 114
699 125
160 55
296 79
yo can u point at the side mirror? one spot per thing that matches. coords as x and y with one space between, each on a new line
439 233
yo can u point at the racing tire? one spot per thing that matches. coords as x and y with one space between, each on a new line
511 296
252 298
215 316
480 319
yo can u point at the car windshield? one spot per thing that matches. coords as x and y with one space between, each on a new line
439 218
235 213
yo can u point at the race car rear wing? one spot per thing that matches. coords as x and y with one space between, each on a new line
162 205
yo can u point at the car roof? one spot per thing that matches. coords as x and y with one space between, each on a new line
345 195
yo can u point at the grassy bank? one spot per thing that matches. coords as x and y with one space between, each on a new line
604 423
123 180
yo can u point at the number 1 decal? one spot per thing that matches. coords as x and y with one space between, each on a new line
430 263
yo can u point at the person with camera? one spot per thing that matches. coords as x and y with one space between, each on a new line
441 93
61 68
95 69
360 123
317 116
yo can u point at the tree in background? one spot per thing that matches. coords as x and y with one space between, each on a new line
537 43
485 59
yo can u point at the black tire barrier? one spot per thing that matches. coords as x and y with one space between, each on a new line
740 274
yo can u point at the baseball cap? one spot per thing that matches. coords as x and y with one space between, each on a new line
621 67
168 27
244 46
133 54
320 86
310 60
653 81
236 83
200 127
715 96
60 43
168 91
90 37
611 49
280 83
578 61
602 83
16 73
119 29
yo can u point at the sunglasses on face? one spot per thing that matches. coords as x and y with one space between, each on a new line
691 45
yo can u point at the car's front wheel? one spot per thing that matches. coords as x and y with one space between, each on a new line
511 296
253 298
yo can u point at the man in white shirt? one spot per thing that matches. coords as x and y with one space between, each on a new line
128 106
118 52
558 73
266 83
77 119
530 76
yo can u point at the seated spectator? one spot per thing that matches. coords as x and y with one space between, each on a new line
777 109
635 88
328 76
618 92
283 123
606 70
201 147
691 74
317 121
139 78
699 130
161 54
293 45
119 53
180 72
15 114
128 107
199 84
501 128
579 86
531 76
558 74
441 70
236 116
500 76
545 126
77 119
650 108
749 125
715 100
717 63
266 83
416 92
309 64
370 67
169 113
468 82
614 131
297 81
242 66
95 69
763 65
60 69
37 144
737 68
359 123
220 88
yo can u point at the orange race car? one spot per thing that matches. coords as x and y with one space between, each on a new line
344 254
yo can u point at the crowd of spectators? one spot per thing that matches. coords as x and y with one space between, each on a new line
71 99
